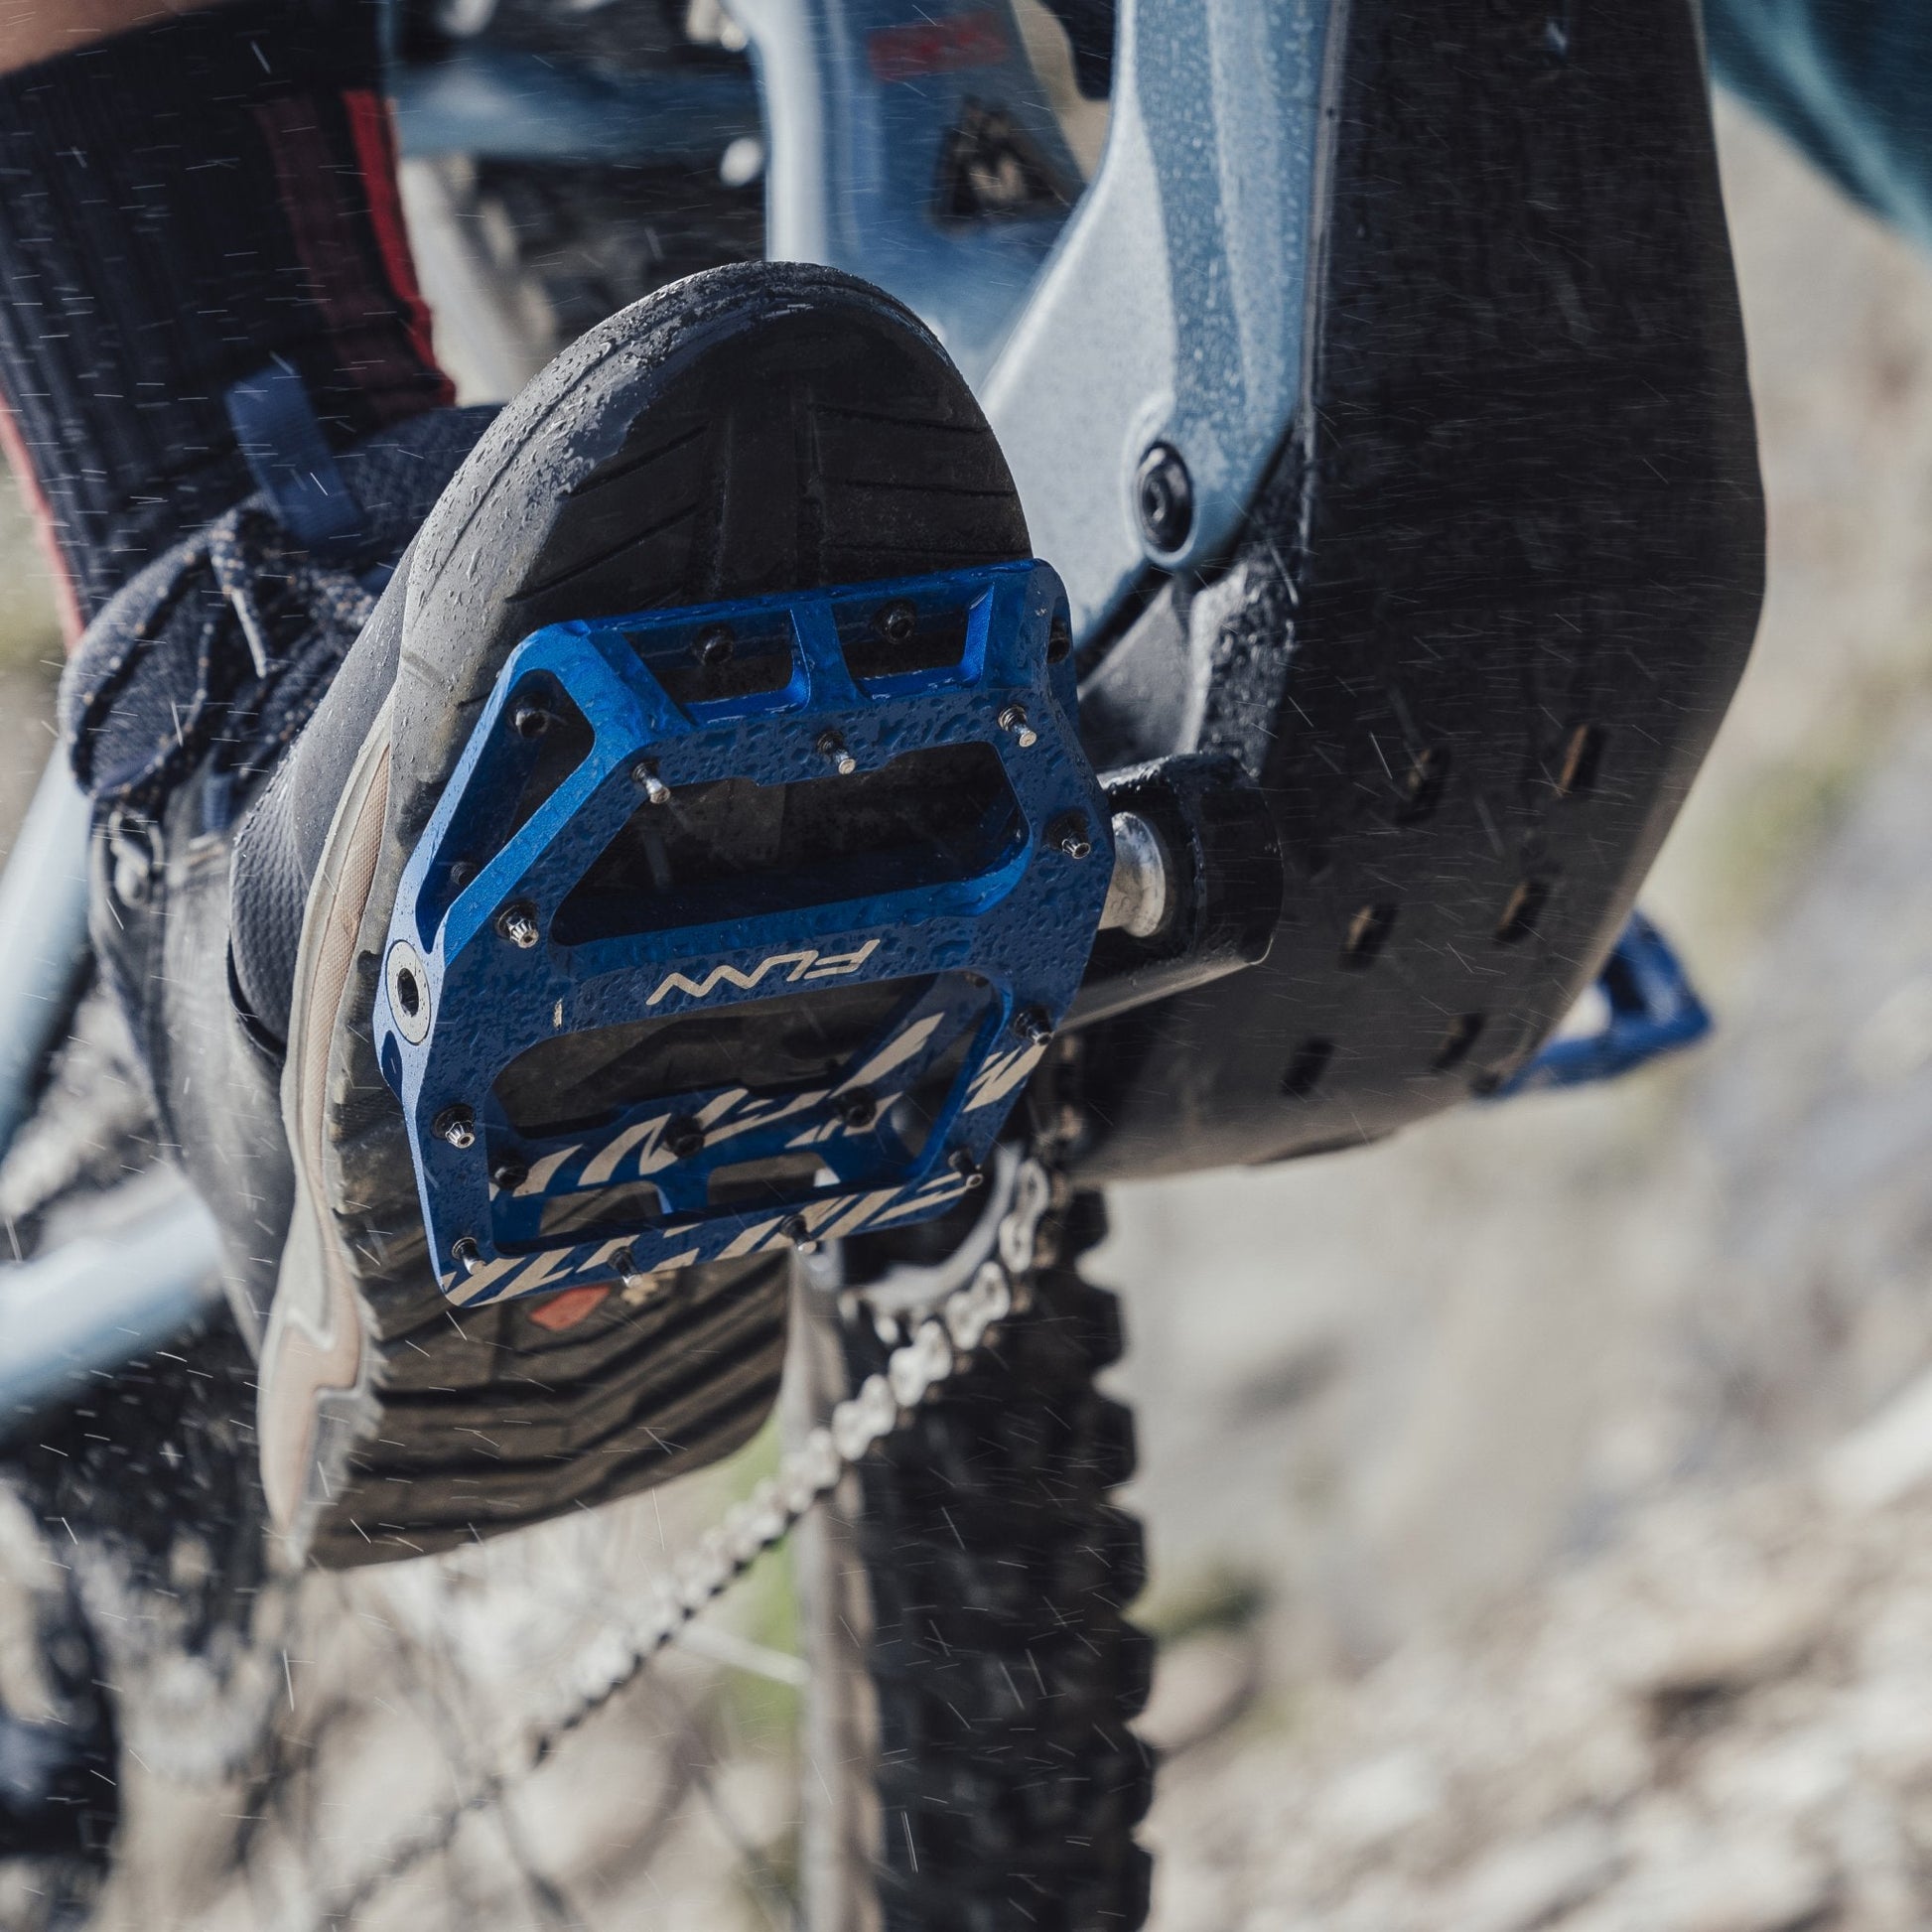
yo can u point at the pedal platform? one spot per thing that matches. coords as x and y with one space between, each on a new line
741 925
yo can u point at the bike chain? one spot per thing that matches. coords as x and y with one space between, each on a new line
943 1342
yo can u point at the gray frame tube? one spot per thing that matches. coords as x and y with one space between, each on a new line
43 934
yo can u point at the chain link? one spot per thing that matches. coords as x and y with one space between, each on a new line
943 1341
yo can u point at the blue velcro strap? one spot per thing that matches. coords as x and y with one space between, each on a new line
292 463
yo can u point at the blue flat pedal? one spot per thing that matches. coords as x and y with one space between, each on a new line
741 925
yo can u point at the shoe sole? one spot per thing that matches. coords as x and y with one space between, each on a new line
760 428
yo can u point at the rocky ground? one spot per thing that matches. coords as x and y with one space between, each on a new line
1538 1504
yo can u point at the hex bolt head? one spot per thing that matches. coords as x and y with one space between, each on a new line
713 646
456 1125
1032 1025
530 720
1013 718
857 1108
644 775
684 1137
509 1174
896 620
465 1253
829 745
1164 496
517 922
966 1167
1073 835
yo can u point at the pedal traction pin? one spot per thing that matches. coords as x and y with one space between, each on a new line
519 925
831 746
1014 719
644 775
456 1125
1071 835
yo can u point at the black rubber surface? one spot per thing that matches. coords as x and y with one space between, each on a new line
1006 1670
1494 598
756 427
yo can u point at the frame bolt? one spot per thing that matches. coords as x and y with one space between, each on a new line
1030 1025
509 1176
1164 494
831 746
684 1137
857 1108
456 1125
517 922
1014 719
1072 836
714 646
644 775
530 720
966 1167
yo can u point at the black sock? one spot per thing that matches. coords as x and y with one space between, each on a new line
182 208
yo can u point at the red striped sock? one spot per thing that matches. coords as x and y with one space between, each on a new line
181 207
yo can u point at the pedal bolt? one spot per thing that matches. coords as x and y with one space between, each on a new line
456 1125
465 1253
1071 836
644 775
530 720
1163 493
684 1137
509 1176
896 620
713 646
1014 719
966 1167
857 1108
830 744
795 1229
1031 1025
519 925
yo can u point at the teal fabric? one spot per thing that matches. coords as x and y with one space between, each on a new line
1850 81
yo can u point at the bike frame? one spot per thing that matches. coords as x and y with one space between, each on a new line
1151 316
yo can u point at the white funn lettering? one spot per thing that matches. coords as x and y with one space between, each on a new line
804 965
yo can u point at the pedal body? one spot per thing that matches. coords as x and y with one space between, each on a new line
741 925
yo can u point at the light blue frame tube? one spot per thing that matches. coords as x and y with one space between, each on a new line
98 1300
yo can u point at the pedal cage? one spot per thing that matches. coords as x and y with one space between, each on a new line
740 925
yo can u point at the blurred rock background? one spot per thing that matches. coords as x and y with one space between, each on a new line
1534 1501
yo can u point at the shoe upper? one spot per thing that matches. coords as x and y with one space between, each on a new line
219 651
185 694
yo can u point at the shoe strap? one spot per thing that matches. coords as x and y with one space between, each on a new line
293 465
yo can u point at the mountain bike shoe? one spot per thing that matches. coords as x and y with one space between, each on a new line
659 870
